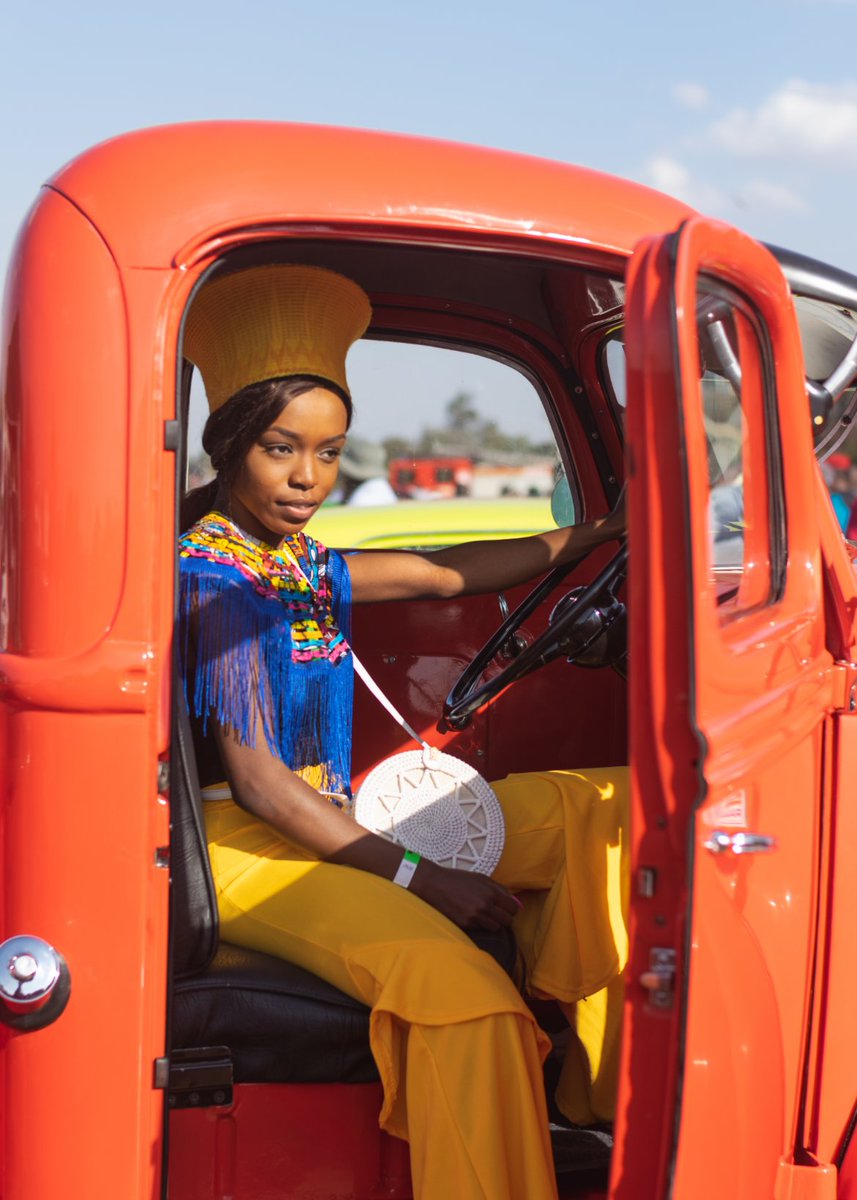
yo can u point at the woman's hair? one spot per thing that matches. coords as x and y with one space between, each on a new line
233 428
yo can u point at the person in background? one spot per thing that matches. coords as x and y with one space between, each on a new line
836 471
363 472
851 528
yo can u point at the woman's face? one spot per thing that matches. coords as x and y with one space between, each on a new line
289 471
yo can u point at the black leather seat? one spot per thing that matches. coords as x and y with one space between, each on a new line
280 1023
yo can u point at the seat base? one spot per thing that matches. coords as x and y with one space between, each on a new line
282 1024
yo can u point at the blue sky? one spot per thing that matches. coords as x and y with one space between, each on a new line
746 109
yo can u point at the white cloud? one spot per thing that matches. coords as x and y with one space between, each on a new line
757 197
815 120
691 95
667 174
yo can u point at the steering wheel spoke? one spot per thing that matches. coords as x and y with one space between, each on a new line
586 626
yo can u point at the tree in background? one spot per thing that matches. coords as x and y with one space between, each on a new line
467 434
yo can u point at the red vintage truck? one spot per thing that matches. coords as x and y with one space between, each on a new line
139 1056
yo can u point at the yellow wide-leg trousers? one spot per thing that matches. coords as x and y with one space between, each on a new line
458 1050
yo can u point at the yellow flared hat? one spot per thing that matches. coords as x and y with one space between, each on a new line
270 321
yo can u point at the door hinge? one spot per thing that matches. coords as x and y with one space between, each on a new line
200 1078
845 687
799 1181
659 980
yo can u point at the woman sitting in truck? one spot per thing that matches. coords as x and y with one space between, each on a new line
268 672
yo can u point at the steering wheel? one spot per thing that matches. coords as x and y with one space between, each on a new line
587 625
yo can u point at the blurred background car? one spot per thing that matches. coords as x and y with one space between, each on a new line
427 524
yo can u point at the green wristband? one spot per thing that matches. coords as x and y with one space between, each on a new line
407 867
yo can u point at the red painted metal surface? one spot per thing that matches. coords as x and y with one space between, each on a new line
763 688
175 194
102 273
64 286
289 1142
295 1142
739 703
662 751
86 641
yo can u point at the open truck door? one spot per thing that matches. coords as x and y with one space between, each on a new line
730 690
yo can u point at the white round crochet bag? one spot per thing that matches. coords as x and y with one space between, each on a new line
435 804
430 802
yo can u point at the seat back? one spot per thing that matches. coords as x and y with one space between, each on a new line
194 930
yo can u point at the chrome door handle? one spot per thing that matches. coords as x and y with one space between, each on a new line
34 983
719 842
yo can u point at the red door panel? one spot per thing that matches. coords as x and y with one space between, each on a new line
730 686
558 717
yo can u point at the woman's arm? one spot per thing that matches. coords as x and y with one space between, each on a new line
475 566
264 786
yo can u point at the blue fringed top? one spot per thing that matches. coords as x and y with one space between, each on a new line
264 645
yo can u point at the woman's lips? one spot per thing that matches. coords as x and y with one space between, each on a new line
296 510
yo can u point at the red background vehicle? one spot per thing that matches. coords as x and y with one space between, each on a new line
420 477
738 1068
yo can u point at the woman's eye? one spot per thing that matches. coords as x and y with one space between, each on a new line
279 450
330 455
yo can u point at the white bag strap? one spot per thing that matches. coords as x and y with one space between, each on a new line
373 687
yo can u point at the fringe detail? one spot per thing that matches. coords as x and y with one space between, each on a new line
238 668
340 589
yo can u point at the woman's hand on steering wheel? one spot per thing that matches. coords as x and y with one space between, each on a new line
577 623
615 524
470 900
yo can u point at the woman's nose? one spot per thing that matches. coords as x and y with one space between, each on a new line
303 472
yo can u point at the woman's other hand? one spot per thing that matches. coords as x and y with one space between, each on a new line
615 525
470 900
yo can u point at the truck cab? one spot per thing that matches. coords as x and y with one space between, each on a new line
664 353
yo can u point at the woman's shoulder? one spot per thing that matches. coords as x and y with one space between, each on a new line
213 526
214 545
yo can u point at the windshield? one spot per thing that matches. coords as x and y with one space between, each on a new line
826 330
